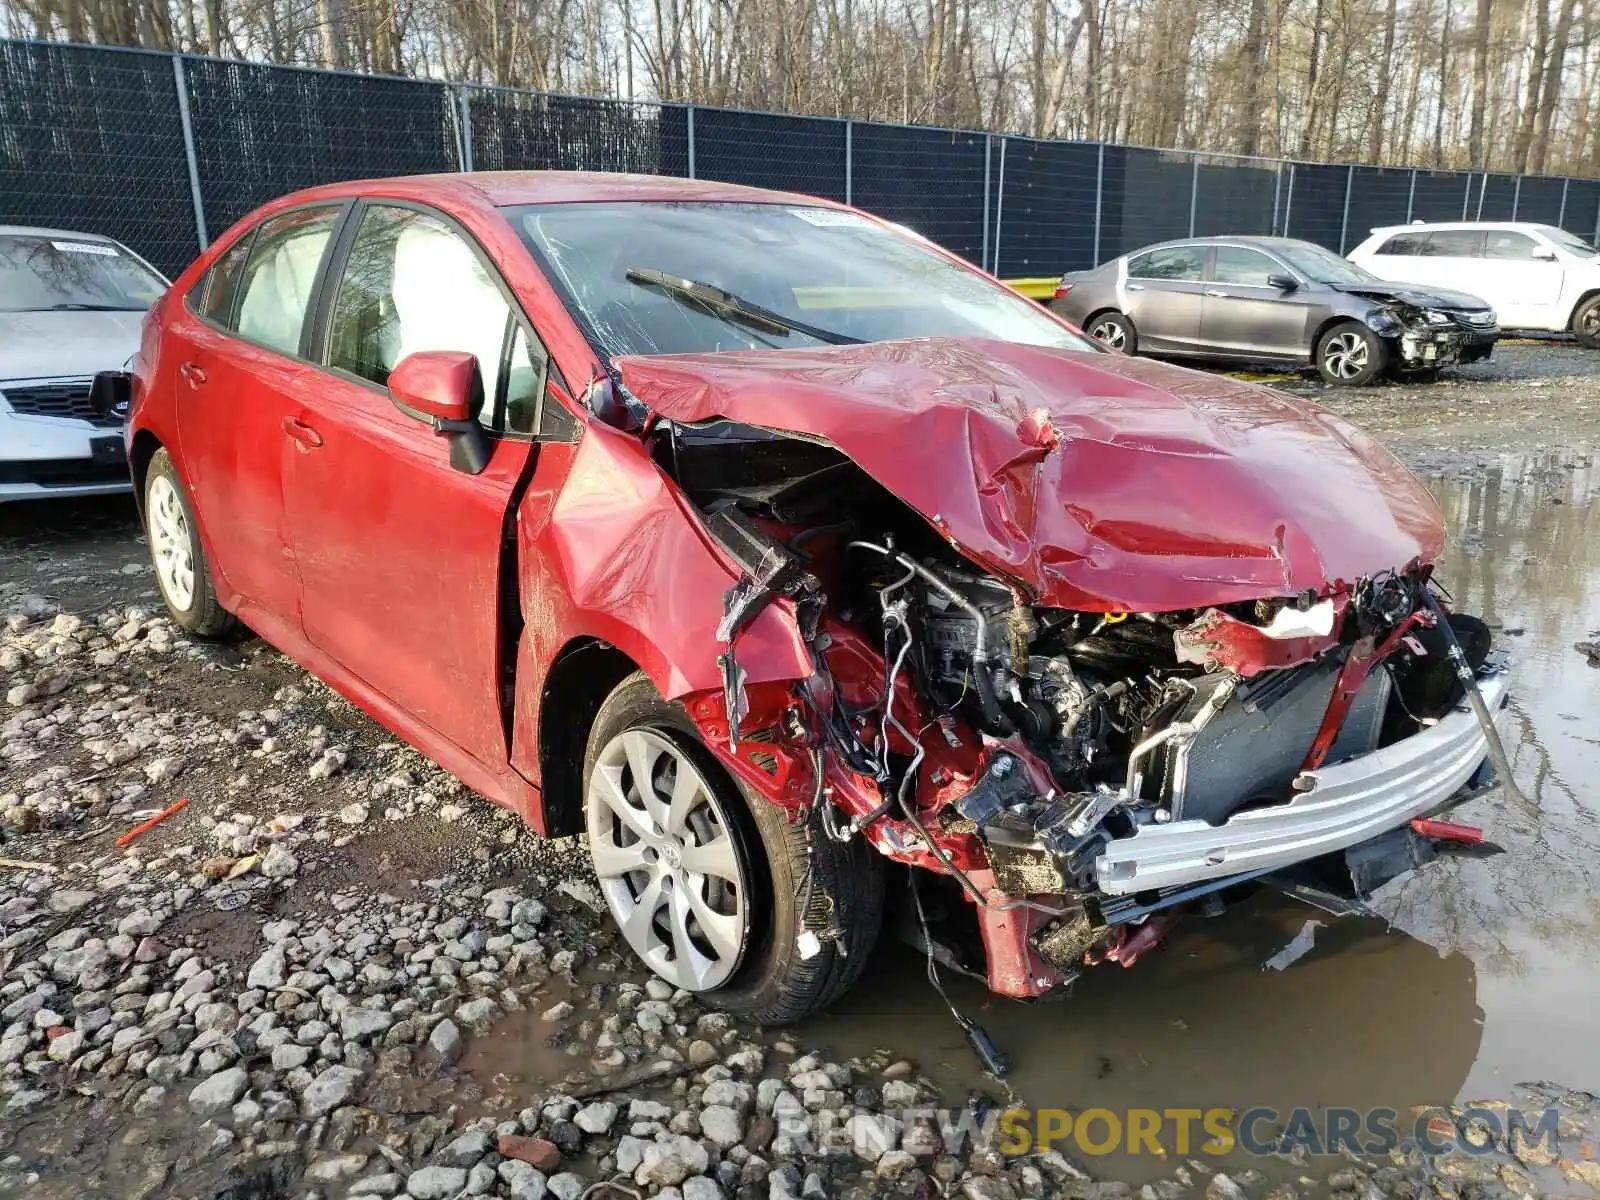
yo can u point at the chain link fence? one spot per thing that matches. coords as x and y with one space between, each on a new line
165 151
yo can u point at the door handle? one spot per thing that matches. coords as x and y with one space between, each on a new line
1215 294
1136 287
301 433
193 373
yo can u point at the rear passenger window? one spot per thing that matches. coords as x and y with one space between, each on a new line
213 298
1176 262
275 288
412 283
1507 243
1455 243
1406 245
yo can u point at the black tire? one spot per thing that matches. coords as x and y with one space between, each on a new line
203 615
1586 323
1114 331
1350 355
773 984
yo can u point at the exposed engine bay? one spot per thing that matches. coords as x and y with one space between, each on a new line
1015 748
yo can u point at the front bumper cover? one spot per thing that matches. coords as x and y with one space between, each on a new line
1342 805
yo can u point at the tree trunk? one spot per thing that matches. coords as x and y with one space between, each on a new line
1530 102
1252 56
1480 83
1551 98
1380 99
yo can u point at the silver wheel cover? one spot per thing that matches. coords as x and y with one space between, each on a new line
659 837
1345 355
171 543
1109 334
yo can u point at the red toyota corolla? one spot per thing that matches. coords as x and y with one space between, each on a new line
805 568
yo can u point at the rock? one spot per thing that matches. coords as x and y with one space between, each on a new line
536 1152
66 1046
987 1187
141 922
451 813
445 1044
630 1152
213 1095
362 1024
278 863
386 1184
895 1163
289 1056
328 1091
436 1183
670 1162
1222 1187
269 970
68 900
525 1182
477 1015
336 1168
329 765
466 1149
353 814
567 1186
597 1117
700 1187
480 1180
871 1135
722 1126
557 1012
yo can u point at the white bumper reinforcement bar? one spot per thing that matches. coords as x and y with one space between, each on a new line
1344 805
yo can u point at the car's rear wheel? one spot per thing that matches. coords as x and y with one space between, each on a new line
182 571
707 882
1350 355
1586 323
1113 331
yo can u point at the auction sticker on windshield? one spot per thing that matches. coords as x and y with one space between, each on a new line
831 218
86 248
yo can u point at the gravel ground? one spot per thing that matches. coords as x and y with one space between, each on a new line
334 971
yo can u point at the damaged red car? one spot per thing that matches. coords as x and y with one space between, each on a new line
807 571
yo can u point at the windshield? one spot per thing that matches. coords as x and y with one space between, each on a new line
1321 266
835 271
38 274
1569 242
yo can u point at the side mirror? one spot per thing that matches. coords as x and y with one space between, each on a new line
1284 283
1543 254
444 389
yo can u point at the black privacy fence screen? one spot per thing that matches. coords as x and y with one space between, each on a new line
165 151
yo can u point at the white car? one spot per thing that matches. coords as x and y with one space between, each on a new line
1536 276
70 306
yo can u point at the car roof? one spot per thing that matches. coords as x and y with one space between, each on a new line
1428 226
503 188
1261 241
35 231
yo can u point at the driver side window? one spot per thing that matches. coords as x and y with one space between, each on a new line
412 283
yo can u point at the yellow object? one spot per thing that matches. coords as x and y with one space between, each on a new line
1036 287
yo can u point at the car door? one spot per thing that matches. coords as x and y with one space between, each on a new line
238 344
1453 258
399 553
1243 313
1162 296
1526 287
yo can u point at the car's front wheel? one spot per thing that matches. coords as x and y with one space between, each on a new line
182 572
1350 355
1113 331
1586 323
707 883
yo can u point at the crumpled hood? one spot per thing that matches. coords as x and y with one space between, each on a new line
1098 482
1410 293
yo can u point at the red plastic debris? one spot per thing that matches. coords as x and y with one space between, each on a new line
146 826
1448 831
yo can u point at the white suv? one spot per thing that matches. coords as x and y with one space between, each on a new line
1536 276
70 306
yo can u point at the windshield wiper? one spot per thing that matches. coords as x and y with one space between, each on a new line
733 308
67 307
